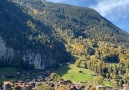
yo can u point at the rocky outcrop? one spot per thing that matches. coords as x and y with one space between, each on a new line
4 51
39 61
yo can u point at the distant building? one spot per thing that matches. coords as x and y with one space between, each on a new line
22 85
7 85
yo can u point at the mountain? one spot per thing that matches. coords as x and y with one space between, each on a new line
40 34
26 39
81 21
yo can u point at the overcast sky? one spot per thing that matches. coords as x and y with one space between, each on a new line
117 11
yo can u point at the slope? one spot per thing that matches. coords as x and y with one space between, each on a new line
25 34
56 31
80 21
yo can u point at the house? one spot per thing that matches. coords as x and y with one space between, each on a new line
7 85
73 87
67 82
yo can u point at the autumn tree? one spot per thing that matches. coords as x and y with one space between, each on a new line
78 63
44 87
55 77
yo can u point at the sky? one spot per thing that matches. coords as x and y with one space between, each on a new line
116 11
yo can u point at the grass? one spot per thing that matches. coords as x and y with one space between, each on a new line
7 70
4 79
74 75
107 83
71 72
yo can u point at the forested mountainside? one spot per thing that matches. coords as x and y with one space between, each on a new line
46 34
29 38
80 21
83 22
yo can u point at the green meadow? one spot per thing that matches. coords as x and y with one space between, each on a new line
71 72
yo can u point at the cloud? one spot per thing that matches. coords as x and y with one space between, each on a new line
113 9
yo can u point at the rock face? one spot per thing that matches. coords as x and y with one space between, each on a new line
39 61
4 51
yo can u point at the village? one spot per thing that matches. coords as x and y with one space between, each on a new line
32 81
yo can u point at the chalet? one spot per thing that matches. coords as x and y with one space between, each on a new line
22 84
67 82
7 85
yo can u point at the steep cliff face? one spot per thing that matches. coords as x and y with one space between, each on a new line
40 61
19 38
4 51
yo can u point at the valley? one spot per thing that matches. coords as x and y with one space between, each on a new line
53 45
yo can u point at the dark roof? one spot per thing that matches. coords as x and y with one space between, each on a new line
8 86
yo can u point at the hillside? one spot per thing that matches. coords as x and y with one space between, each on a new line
80 21
45 34
28 38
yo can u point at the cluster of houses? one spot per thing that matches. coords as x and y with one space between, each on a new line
26 80
20 85
32 85
69 84
82 86
8 85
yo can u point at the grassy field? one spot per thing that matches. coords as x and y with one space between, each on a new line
4 79
7 70
4 72
71 72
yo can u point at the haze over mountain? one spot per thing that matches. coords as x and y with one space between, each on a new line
44 34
